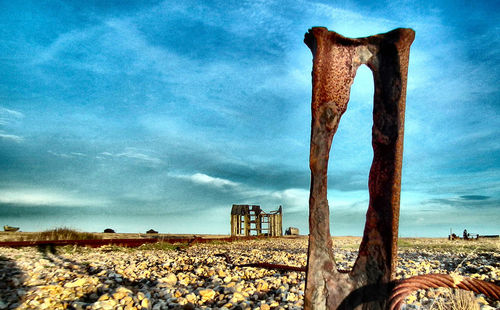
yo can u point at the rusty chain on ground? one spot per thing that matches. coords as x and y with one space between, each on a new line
405 287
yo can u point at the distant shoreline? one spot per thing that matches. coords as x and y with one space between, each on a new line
10 236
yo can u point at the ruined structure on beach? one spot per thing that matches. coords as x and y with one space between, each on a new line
248 220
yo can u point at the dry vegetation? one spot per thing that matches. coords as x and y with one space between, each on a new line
449 299
62 233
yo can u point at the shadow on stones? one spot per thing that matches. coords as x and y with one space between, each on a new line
12 289
12 277
146 285
372 296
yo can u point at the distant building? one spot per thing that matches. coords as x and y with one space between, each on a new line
292 231
248 220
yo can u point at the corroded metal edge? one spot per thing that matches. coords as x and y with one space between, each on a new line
335 61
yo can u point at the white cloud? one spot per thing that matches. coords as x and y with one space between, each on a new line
297 199
200 178
67 155
140 156
8 113
63 42
63 155
48 197
10 137
132 153
7 117
294 199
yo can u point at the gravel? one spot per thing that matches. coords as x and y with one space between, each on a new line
194 278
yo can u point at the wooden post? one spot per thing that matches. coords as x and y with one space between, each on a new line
233 224
273 221
247 224
280 221
258 225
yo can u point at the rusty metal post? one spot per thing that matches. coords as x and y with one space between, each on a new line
335 61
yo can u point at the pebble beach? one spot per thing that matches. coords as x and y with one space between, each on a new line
195 277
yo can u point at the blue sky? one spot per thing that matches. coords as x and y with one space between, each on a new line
162 114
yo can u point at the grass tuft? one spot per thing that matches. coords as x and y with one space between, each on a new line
62 233
455 299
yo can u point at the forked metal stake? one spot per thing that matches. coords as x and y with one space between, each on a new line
335 61
370 284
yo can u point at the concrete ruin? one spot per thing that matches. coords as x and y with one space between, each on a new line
250 220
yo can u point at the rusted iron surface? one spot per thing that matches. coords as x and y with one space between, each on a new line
335 61
406 287
120 242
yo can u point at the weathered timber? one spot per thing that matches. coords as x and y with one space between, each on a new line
246 219
335 61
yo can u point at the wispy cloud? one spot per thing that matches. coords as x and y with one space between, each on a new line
475 197
65 41
10 137
132 153
294 199
67 155
48 197
463 202
9 117
203 179
140 156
